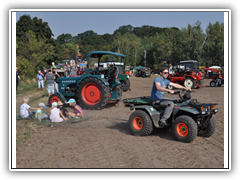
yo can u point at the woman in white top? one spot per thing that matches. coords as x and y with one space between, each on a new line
55 114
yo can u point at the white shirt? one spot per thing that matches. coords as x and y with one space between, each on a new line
55 115
24 112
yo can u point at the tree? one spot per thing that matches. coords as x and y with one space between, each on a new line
108 38
64 38
192 42
32 53
124 29
95 41
40 28
214 46
81 36
129 45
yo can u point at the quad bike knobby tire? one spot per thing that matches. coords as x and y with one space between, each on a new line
212 83
185 129
140 124
189 83
209 130
92 93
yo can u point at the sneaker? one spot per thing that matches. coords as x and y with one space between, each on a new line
77 117
162 124
69 117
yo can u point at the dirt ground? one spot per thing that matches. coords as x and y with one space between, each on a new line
105 141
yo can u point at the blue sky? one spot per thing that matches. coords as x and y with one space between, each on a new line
107 22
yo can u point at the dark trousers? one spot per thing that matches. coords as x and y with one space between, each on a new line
17 84
168 110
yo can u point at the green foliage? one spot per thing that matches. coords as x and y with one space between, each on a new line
41 29
32 53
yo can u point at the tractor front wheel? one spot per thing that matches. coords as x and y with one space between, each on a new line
54 98
126 85
189 83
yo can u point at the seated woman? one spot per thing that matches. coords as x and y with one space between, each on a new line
78 112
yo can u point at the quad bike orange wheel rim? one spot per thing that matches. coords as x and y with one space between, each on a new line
182 129
137 123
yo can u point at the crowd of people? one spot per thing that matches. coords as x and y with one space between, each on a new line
51 77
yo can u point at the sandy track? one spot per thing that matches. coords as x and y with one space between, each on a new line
106 142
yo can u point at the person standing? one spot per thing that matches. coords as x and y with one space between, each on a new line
43 72
17 77
56 75
49 82
219 78
53 65
40 77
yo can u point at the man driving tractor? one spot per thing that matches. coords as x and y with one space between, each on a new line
158 89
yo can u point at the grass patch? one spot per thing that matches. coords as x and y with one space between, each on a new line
28 85
24 130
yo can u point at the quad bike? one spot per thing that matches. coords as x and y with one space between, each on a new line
189 117
214 81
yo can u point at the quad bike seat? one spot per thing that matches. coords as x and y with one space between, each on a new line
156 103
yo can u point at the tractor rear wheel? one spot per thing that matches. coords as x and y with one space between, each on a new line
93 93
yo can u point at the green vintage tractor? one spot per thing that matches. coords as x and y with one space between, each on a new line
123 78
189 117
95 87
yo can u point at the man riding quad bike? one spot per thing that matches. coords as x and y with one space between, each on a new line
187 117
217 80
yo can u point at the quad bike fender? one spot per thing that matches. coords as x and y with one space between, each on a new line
152 112
188 109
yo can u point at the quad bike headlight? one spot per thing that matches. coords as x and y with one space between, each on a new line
204 110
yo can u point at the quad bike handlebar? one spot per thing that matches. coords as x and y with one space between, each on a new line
185 97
